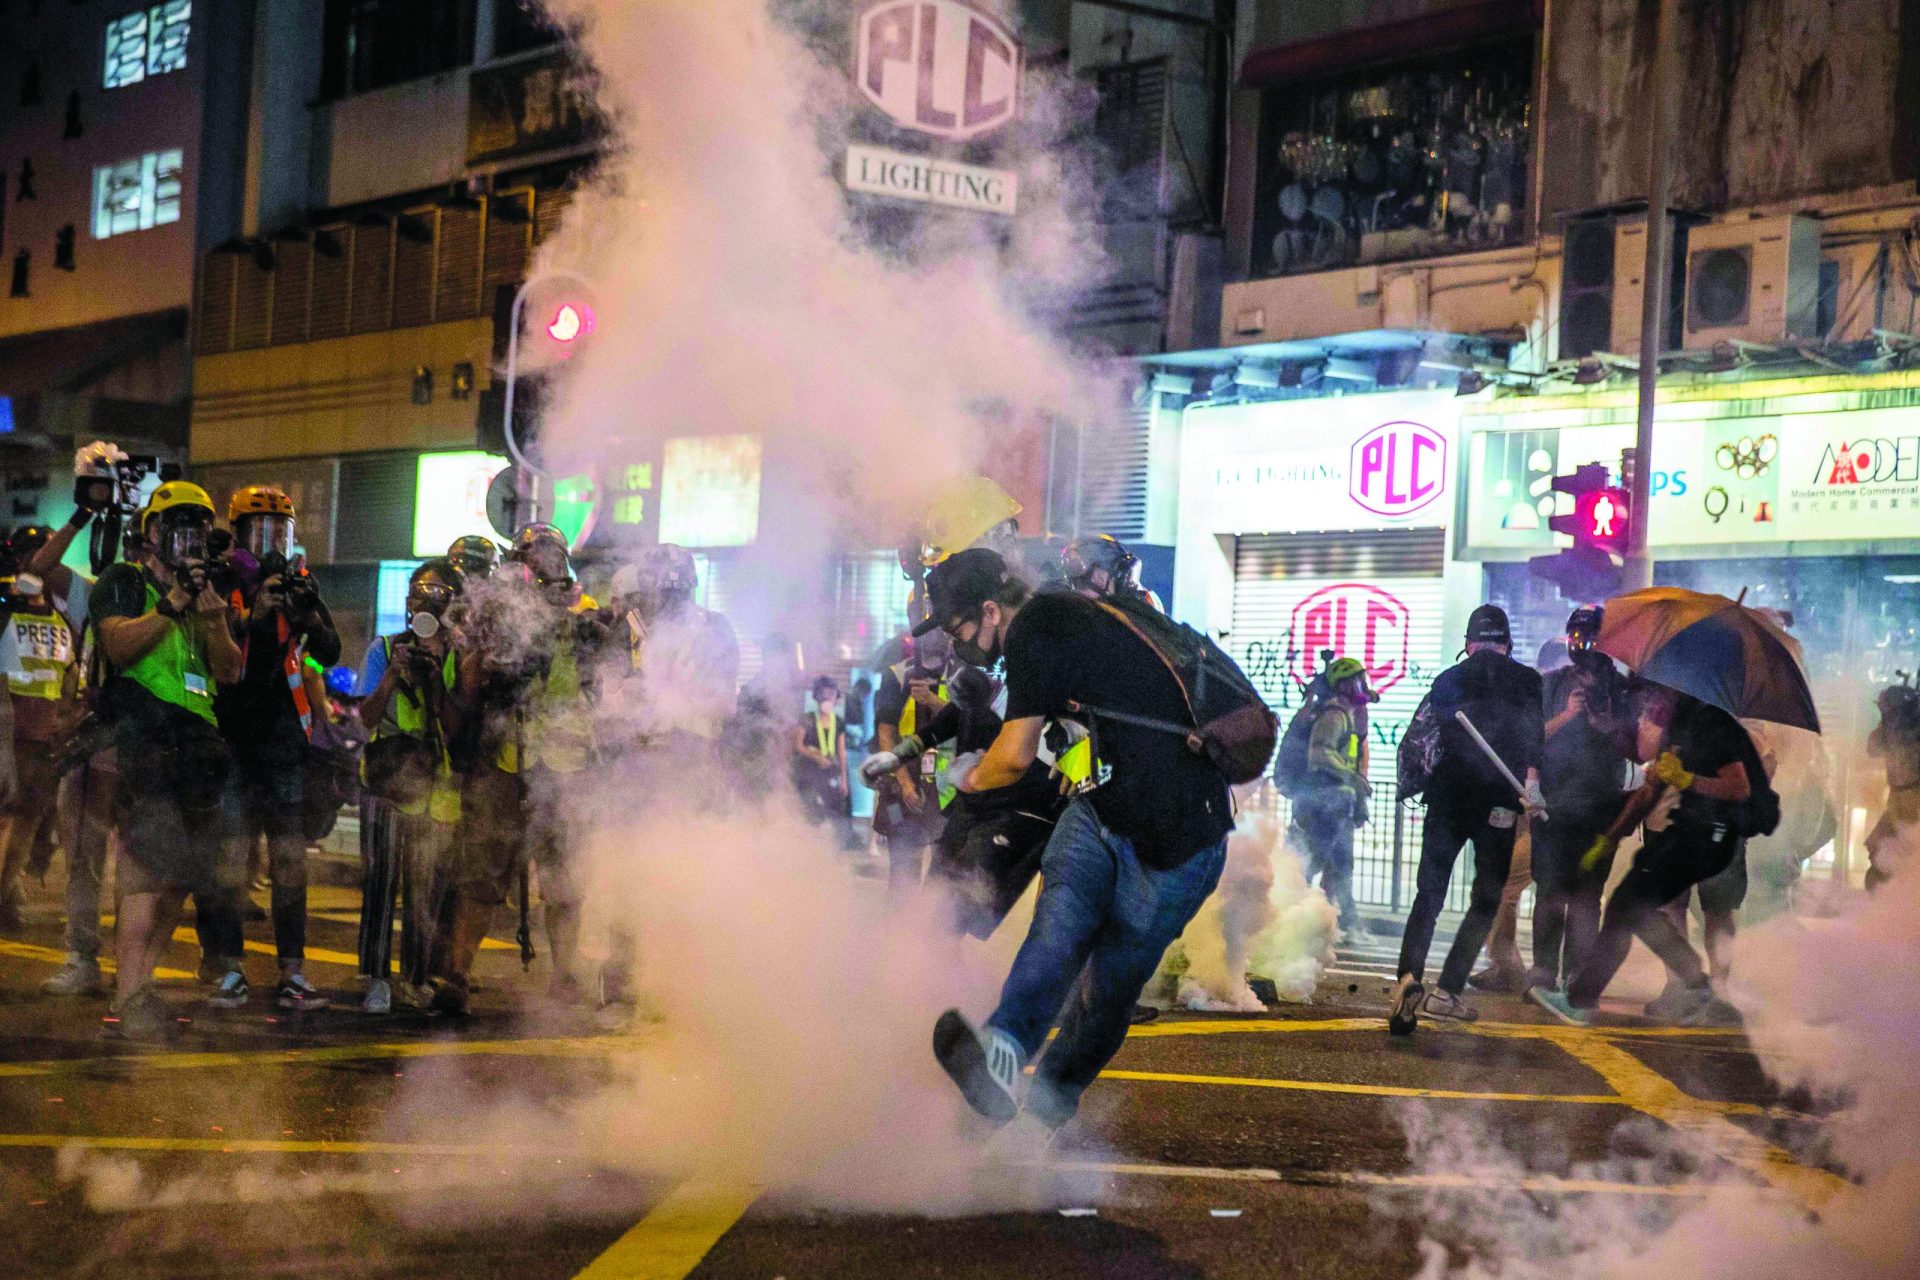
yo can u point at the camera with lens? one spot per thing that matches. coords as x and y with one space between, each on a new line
107 484
296 582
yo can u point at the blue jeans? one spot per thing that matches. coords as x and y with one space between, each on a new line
1101 912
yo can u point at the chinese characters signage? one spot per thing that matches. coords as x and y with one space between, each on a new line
532 105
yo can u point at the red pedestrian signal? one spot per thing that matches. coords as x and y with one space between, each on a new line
1599 525
571 321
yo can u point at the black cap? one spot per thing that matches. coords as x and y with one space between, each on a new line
960 584
1488 625
1585 621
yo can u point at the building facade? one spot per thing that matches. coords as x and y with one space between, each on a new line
1446 198
122 139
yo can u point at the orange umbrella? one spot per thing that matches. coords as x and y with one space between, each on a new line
1711 647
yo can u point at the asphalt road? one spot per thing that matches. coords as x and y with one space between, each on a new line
1303 1143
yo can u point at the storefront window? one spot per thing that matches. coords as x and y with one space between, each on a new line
1407 160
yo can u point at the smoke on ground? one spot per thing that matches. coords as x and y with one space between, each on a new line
1265 920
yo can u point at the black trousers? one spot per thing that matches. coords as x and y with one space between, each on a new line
1448 827
1566 903
1669 864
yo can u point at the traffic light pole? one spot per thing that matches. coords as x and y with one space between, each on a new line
1653 295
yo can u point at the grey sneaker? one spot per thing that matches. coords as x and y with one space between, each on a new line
295 992
232 992
1444 1004
1673 1000
379 997
79 976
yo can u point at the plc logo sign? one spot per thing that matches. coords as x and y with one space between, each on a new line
939 67
1355 621
1398 468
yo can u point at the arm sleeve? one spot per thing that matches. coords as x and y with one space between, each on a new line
372 669
1038 663
323 640
120 593
1325 749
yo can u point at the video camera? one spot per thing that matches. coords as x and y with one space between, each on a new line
110 489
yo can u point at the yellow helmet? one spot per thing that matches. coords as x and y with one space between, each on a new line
259 500
172 494
964 513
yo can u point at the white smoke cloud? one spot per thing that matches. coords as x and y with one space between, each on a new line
1265 919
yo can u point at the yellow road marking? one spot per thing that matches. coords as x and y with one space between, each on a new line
1651 1093
1419 1181
243 1146
321 954
27 951
681 1230
353 918
555 1047
1242 1026
1364 1090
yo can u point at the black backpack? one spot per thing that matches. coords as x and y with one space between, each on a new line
1418 754
1231 725
1759 813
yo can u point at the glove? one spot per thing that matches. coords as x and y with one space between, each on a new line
959 771
1598 852
1669 770
878 766
93 457
1534 799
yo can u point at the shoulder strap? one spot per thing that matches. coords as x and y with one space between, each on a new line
1145 722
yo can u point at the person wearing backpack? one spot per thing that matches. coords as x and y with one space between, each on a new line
1469 798
1322 768
1705 793
1130 861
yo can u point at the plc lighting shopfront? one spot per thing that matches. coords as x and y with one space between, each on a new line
1325 524
1802 493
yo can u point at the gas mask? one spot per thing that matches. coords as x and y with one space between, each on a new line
427 605
265 537
182 537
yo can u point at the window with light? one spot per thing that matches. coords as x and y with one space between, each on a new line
147 42
137 194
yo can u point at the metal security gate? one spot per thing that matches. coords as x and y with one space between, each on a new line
1377 596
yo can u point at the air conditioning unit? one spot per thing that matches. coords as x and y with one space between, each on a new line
1603 260
1756 280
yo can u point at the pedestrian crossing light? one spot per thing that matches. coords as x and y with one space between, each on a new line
1599 525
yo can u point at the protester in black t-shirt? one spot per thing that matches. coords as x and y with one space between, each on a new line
1469 798
1126 868
1705 759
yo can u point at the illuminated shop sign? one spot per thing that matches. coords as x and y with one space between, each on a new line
1839 465
710 491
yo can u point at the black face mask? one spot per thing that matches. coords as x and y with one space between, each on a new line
971 653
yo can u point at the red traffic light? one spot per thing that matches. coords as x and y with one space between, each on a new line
1603 519
570 322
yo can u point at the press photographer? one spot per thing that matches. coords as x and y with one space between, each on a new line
279 621
164 636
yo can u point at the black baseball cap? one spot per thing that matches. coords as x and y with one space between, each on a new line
960 584
1488 625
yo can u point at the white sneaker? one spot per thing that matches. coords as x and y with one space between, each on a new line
379 997
79 976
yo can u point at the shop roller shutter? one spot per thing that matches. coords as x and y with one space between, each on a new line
375 509
458 295
1372 595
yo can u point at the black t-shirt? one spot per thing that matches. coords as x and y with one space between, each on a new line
1581 770
1168 801
261 705
1707 740
1503 699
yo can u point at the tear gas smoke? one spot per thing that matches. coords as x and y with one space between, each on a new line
785 1016
1834 1022
1264 919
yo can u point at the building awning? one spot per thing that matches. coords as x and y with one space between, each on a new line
1349 50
